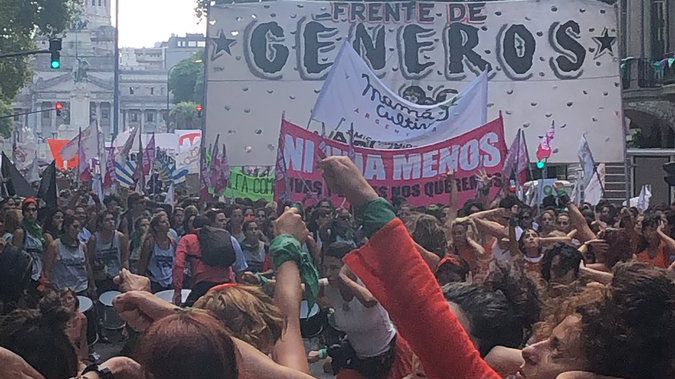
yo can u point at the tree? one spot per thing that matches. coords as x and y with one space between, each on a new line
184 116
187 80
22 21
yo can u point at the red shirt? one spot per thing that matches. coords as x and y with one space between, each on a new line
201 272
660 260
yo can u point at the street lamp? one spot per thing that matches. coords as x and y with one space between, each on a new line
168 92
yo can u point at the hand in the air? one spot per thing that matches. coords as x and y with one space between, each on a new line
140 309
290 222
131 282
344 178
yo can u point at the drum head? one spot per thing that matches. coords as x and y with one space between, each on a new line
305 313
85 303
168 295
107 298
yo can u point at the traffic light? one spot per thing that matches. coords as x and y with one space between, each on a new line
200 108
59 108
669 168
55 50
541 164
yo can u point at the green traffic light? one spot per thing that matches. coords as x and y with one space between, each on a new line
541 165
56 65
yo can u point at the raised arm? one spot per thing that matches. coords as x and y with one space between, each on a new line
669 242
584 232
348 280
392 269
124 250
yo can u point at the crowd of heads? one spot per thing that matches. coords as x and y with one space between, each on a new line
574 287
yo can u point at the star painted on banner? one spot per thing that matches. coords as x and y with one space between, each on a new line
223 43
605 44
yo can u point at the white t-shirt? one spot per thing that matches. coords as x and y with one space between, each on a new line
369 330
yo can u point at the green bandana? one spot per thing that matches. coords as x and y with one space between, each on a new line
34 229
286 248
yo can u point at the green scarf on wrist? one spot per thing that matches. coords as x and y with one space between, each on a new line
286 248
34 229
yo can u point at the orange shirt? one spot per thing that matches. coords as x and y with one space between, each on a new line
660 260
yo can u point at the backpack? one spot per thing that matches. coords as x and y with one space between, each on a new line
216 246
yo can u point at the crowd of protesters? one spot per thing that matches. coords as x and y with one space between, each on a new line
492 288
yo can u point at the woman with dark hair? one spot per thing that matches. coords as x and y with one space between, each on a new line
560 264
177 221
656 247
253 248
77 324
371 346
547 222
463 243
66 261
53 226
452 269
141 227
158 253
39 337
189 344
108 251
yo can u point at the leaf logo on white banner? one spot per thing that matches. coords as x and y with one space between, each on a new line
353 93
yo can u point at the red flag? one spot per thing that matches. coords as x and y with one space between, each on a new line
109 177
544 151
83 168
517 161
149 155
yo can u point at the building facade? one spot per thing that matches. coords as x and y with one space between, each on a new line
85 82
648 77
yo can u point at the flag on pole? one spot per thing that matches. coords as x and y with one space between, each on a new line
205 177
13 183
34 173
128 145
109 177
545 150
149 155
83 169
86 140
586 160
350 150
643 200
221 172
170 195
281 181
517 161
47 189
97 186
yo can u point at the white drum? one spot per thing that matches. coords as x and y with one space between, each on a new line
87 308
111 320
168 295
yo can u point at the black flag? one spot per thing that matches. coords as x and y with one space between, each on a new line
13 183
47 190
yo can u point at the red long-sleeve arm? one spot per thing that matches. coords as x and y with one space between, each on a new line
393 270
179 264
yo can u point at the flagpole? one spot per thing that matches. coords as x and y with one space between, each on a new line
79 147
152 166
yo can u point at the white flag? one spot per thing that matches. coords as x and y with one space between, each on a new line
170 194
643 200
586 160
89 140
354 94
594 191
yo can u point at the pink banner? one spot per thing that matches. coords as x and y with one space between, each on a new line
417 174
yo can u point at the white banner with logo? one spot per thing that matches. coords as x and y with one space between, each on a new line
547 61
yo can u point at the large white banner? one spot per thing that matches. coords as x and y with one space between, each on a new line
548 60
353 95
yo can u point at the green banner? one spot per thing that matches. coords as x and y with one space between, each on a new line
246 186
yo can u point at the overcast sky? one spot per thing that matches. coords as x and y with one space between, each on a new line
144 22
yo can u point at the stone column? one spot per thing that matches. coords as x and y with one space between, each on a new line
143 120
98 112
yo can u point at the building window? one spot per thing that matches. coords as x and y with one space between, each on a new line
201 43
105 113
134 116
131 90
93 3
152 90
149 117
192 44
659 29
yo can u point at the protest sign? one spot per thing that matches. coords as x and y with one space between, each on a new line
245 186
547 60
417 174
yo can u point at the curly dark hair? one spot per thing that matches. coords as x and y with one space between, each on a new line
570 258
492 317
39 337
631 333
